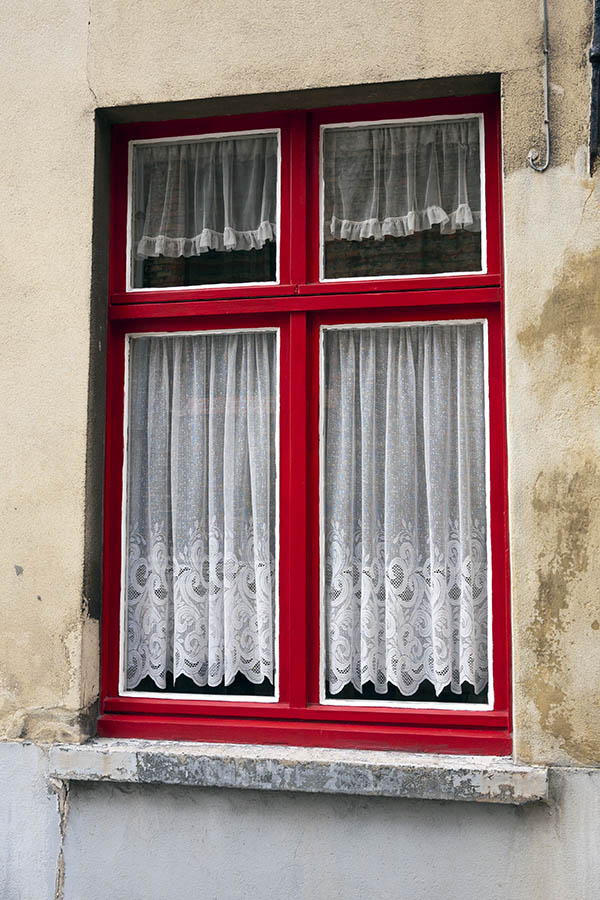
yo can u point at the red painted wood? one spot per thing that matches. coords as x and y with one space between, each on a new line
307 734
210 125
286 548
428 299
298 223
298 305
194 294
118 214
296 505
315 712
404 283
112 513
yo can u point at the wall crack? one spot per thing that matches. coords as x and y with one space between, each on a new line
61 788
87 54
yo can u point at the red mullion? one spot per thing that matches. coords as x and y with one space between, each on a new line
294 503
313 162
298 198
114 451
284 537
306 303
286 201
307 734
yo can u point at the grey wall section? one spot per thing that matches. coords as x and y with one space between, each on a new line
147 842
29 825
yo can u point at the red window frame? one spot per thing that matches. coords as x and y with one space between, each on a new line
298 306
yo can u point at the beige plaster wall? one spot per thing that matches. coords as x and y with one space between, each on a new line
59 63
46 175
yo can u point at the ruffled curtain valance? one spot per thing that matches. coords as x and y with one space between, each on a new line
400 179
195 196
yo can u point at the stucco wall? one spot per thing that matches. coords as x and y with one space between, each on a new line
62 61
48 645
155 842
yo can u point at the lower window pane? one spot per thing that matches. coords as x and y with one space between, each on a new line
405 513
201 514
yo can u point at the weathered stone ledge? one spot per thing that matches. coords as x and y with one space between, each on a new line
358 772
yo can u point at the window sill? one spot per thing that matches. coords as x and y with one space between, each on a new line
485 779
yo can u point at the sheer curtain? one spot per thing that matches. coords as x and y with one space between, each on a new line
400 179
201 508
195 196
405 507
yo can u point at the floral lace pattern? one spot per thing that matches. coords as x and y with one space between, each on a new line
200 580
206 612
397 616
406 597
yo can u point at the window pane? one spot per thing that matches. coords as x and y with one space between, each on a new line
200 574
204 211
402 199
405 514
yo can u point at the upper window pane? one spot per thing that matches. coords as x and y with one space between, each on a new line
401 199
204 211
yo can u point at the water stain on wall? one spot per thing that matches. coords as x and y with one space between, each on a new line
571 311
565 501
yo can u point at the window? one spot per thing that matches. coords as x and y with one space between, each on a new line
305 518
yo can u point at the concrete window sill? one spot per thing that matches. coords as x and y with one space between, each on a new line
359 772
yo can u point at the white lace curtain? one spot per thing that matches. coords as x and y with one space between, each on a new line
195 196
201 508
405 507
400 179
